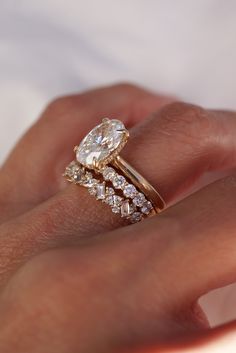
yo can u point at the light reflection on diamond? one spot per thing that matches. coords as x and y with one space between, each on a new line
101 142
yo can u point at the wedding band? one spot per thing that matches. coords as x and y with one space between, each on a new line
99 167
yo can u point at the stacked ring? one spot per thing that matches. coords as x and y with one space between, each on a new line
108 177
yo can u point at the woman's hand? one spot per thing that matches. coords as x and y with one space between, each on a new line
73 280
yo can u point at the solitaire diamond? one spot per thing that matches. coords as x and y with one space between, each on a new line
101 143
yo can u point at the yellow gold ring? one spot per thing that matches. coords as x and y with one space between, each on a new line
108 177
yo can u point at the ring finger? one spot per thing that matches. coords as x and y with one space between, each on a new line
175 146
33 171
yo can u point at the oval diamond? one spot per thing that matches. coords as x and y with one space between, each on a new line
101 143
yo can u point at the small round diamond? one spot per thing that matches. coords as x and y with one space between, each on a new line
110 191
119 181
139 200
71 169
117 200
108 173
147 207
74 172
136 217
115 209
92 191
130 191
77 177
89 181
113 200
109 200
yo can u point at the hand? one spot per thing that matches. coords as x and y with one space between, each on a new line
75 283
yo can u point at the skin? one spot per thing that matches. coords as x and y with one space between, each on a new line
72 279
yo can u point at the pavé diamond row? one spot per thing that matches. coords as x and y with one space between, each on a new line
113 189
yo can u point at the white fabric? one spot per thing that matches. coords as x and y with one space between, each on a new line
52 47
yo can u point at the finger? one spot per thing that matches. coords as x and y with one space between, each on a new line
194 245
79 222
190 228
202 227
62 220
160 260
33 171
209 238
169 151
183 156
168 261
180 144
129 259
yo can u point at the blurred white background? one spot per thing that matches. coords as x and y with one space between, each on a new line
53 47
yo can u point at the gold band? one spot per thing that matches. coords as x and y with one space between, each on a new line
140 182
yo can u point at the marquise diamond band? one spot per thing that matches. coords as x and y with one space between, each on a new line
108 177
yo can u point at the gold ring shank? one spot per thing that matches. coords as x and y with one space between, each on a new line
140 182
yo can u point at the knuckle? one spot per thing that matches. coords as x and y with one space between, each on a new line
181 109
127 87
48 283
185 121
57 104
61 107
57 271
74 104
